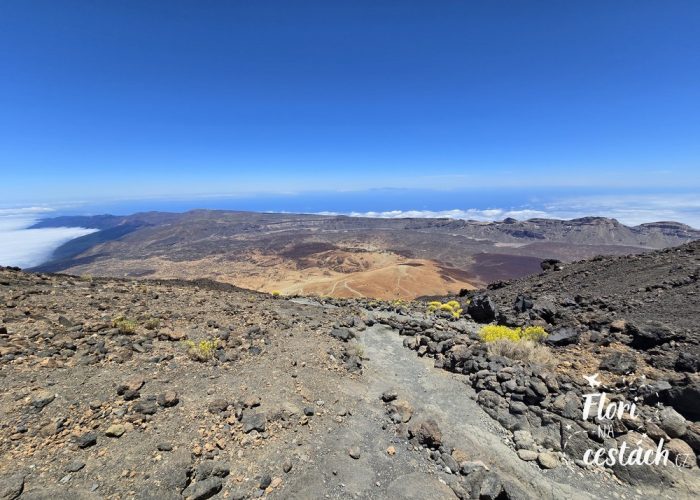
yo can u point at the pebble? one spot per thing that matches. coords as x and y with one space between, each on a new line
115 431
354 452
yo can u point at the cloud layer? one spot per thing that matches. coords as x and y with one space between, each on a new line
24 247
630 210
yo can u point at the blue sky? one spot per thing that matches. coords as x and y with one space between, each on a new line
202 100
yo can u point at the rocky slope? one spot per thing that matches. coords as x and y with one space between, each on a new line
116 388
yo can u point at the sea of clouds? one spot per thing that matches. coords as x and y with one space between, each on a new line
24 247
629 210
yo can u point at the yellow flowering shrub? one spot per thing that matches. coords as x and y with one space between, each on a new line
493 333
202 350
453 307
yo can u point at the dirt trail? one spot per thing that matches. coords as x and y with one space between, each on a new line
445 397
434 393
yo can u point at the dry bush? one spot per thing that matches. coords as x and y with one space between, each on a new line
523 350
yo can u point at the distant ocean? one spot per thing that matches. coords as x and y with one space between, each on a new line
29 247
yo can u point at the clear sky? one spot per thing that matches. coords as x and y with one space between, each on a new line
110 100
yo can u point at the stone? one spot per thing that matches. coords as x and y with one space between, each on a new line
165 447
650 335
390 395
548 460
401 411
218 406
523 440
265 481
115 431
168 399
672 422
551 265
619 325
287 466
146 406
354 452
131 384
41 399
522 304
65 322
527 455
202 490
309 411
684 398
619 362
130 395
427 433
491 487
86 440
342 334
563 336
681 453
74 466
482 309
11 486
173 336
545 308
688 362
254 421
391 451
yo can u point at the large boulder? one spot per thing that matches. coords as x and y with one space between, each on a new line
619 362
563 336
482 309
648 335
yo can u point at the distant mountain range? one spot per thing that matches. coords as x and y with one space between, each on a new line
340 255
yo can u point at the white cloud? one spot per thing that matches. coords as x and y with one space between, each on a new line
30 247
488 214
630 210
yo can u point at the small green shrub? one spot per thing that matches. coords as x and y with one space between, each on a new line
124 325
152 324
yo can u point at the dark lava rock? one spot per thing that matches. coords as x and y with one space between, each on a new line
389 395
551 265
218 406
309 411
254 421
147 406
482 309
563 336
265 481
343 334
202 490
688 362
522 304
74 466
619 362
650 335
130 395
545 308
86 440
